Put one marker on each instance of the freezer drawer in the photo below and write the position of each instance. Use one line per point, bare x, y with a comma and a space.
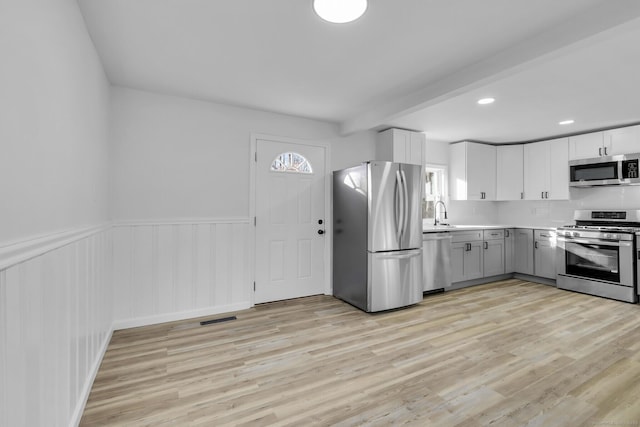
394, 279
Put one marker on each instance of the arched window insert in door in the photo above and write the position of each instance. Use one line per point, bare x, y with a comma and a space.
291, 162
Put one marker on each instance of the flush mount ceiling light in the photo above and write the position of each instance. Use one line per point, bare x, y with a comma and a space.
340, 11
485, 101
566, 122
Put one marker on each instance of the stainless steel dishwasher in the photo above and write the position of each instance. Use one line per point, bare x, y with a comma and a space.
436, 252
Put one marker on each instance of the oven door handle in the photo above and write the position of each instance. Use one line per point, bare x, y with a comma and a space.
597, 242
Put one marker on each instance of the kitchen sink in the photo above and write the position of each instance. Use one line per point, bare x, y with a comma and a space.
442, 227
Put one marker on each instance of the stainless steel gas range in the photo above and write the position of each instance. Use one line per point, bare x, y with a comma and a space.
598, 255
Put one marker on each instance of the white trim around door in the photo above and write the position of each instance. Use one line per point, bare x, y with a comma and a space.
252, 204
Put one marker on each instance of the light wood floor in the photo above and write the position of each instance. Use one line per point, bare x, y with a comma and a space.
510, 353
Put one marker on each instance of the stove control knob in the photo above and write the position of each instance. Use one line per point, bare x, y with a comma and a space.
576, 234
608, 236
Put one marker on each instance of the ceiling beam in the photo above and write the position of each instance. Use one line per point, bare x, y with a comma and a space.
601, 22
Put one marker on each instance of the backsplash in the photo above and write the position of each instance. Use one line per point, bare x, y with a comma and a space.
556, 213
462, 212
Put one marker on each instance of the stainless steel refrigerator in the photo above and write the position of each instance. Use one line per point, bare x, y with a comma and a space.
377, 235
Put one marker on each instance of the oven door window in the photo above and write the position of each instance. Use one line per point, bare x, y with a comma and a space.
593, 261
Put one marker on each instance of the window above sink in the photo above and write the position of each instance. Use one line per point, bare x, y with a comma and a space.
435, 190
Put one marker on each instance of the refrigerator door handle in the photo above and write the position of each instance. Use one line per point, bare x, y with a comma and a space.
400, 207
405, 223
396, 206
401, 254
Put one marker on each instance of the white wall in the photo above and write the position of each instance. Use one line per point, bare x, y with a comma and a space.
180, 158
55, 294
180, 199
53, 120
437, 152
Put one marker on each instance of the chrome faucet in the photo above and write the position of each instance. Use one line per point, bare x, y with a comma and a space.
435, 212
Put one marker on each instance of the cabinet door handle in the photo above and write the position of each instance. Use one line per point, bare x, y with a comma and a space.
486, 245
542, 195
506, 233
467, 247
535, 245
605, 151
600, 151
546, 194
522, 195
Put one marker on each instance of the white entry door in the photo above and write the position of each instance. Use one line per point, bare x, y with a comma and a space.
290, 220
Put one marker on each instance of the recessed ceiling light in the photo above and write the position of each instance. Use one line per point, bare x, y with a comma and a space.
340, 11
485, 101
566, 122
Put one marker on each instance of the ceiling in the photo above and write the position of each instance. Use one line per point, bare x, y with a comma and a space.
417, 64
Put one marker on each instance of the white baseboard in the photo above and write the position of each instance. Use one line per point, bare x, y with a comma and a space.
86, 390
181, 315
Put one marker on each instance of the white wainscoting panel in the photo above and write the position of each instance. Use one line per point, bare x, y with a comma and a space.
56, 318
172, 270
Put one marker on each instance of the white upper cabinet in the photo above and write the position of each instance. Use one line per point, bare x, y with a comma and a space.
510, 174
403, 146
546, 170
536, 170
608, 143
622, 140
559, 169
586, 146
472, 171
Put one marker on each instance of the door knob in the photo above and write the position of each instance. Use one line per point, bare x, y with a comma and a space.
320, 231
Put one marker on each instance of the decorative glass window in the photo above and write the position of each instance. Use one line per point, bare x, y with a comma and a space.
291, 162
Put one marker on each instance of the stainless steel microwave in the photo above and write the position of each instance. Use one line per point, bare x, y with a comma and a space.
608, 170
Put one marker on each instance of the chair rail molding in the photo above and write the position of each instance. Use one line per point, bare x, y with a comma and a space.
16, 252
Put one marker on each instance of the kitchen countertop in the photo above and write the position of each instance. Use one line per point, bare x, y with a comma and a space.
445, 228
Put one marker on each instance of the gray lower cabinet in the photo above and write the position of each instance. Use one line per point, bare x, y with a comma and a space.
524, 251
509, 250
479, 254
545, 254
493, 257
467, 261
